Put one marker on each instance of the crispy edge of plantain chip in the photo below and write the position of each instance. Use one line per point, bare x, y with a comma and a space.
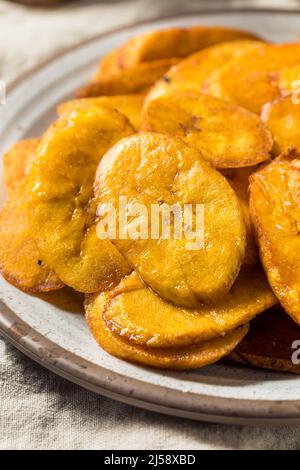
172, 42
134, 312
16, 162
21, 263
190, 357
128, 81
129, 105
238, 179
270, 343
282, 117
276, 219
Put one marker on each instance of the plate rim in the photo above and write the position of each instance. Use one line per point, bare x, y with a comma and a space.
206, 11
97, 379
114, 385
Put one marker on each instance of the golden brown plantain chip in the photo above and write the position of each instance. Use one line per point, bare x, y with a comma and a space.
272, 343
20, 260
134, 80
251, 80
229, 136
238, 178
189, 357
171, 42
159, 172
16, 162
108, 65
282, 117
136, 313
129, 105
294, 180
276, 218
190, 73
289, 80
62, 213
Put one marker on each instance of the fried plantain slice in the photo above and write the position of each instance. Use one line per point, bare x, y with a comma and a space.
282, 117
190, 73
189, 357
294, 180
238, 178
17, 161
289, 80
276, 218
171, 42
229, 136
61, 209
159, 172
251, 80
20, 260
134, 80
136, 313
271, 343
129, 105
108, 65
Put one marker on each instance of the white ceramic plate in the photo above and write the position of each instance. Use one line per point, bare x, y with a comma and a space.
55, 333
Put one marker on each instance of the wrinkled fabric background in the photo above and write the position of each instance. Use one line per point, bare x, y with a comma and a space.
39, 410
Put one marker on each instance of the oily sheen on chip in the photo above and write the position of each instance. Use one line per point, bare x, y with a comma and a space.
156, 169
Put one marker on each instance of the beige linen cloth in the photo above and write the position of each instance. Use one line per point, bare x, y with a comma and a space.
39, 410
